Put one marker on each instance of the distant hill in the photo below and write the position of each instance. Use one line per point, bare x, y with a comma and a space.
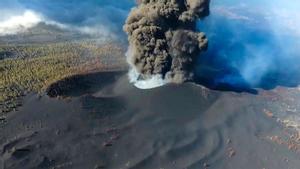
44, 33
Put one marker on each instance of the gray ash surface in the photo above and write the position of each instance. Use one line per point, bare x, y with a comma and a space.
172, 127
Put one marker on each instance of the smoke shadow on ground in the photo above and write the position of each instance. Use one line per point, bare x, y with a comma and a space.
83, 84
222, 76
209, 78
244, 56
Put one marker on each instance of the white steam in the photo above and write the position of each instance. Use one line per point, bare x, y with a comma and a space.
135, 77
13, 22
153, 82
19, 23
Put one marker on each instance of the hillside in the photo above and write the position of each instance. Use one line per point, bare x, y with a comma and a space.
29, 68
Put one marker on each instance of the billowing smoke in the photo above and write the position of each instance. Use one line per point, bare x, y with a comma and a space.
164, 40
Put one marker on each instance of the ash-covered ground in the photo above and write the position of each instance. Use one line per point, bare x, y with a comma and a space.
112, 124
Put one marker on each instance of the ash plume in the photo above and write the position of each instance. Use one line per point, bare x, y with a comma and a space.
164, 40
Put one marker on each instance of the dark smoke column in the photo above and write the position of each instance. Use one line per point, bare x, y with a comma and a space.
163, 38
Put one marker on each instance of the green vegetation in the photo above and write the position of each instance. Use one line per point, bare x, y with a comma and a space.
32, 68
